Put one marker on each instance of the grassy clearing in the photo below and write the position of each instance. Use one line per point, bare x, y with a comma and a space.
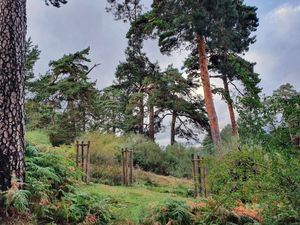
130, 204
38, 138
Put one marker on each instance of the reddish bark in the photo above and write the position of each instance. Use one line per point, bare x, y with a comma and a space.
208, 97
230, 109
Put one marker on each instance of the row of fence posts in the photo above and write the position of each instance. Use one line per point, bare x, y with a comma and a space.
199, 171
199, 168
127, 166
83, 157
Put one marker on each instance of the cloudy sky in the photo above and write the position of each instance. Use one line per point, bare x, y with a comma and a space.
83, 23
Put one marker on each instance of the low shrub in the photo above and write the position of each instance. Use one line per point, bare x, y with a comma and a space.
178, 160
256, 177
172, 210
106, 174
50, 192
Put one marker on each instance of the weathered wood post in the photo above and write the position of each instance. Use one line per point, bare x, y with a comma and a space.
82, 156
200, 174
199, 171
77, 153
194, 175
126, 160
87, 165
127, 166
205, 180
131, 167
123, 166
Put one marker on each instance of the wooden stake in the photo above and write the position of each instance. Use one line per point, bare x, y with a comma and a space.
131, 167
204, 178
194, 175
87, 171
123, 166
77, 153
126, 167
200, 180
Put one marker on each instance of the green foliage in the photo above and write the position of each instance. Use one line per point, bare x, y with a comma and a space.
68, 97
147, 154
107, 174
82, 207
254, 176
275, 120
32, 56
178, 160
50, 193
38, 138
16, 199
176, 211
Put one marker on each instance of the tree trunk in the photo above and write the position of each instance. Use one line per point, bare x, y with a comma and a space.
12, 59
173, 128
208, 97
151, 123
141, 116
230, 108
71, 114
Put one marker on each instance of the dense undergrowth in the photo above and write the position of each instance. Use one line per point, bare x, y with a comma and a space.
247, 186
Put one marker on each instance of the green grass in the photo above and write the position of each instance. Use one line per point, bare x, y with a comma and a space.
132, 203
38, 138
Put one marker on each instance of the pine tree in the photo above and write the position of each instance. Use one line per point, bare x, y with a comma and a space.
68, 90
205, 25
12, 79
228, 67
32, 56
175, 96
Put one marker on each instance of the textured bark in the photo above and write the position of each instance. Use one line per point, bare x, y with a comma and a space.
173, 131
151, 123
208, 97
230, 108
12, 56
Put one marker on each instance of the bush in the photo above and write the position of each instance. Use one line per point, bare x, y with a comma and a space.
176, 211
104, 147
178, 160
110, 175
50, 192
147, 154
257, 177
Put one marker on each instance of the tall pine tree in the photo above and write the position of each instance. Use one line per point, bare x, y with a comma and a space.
205, 25
12, 78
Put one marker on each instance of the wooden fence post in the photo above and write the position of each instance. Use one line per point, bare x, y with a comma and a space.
123, 166
194, 175
87, 166
131, 167
82, 156
77, 153
127, 166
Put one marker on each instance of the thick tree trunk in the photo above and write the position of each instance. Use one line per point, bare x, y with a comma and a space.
173, 128
141, 116
230, 108
12, 57
208, 97
151, 123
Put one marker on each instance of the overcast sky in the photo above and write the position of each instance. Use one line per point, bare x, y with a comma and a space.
83, 23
